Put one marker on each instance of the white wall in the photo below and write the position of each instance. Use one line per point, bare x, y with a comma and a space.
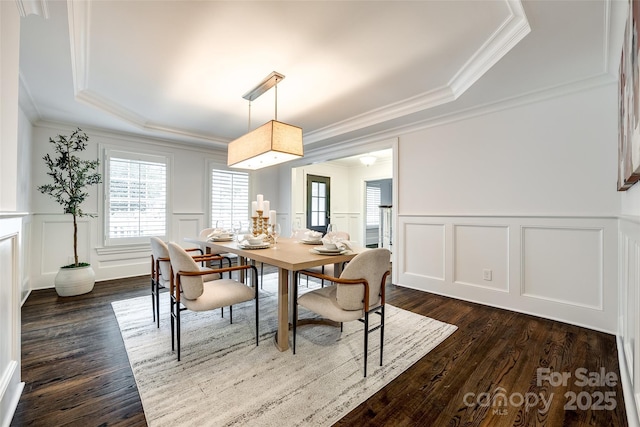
526, 192
347, 193
51, 240
11, 238
629, 302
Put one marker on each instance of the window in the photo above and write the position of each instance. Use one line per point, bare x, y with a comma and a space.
318, 202
229, 198
373, 203
136, 197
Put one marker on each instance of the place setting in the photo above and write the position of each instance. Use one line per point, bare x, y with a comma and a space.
310, 237
262, 240
330, 249
249, 241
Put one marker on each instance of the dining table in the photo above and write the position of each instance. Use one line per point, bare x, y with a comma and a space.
289, 255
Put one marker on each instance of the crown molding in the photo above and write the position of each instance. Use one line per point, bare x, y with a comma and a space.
506, 37
127, 137
512, 30
509, 34
545, 94
25, 101
33, 7
78, 16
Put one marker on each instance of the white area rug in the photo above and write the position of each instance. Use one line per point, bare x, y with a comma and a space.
223, 379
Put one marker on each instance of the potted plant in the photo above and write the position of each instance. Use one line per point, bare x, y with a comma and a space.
71, 176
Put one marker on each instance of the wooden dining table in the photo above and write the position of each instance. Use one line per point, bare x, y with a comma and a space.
289, 256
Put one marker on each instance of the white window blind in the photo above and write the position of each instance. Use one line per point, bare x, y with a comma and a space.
229, 198
373, 206
136, 198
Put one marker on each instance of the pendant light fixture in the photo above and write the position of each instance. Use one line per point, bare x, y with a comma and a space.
270, 144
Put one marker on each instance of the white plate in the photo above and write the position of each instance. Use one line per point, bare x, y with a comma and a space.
323, 249
222, 239
260, 246
332, 252
311, 242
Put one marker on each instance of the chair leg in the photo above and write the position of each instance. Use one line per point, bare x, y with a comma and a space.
153, 299
366, 341
178, 329
231, 314
381, 332
171, 313
157, 313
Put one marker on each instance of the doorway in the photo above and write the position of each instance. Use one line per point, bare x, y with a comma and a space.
318, 202
378, 194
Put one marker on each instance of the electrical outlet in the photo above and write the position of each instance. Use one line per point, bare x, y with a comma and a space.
487, 274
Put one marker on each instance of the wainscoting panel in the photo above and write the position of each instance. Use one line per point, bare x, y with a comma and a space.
629, 306
10, 278
57, 243
486, 266
188, 225
52, 247
561, 268
424, 251
563, 265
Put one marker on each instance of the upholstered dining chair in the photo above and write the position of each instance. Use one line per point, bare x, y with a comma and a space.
358, 292
189, 291
204, 234
161, 272
328, 268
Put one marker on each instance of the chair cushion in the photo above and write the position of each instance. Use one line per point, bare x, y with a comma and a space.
323, 301
192, 286
160, 250
220, 293
370, 265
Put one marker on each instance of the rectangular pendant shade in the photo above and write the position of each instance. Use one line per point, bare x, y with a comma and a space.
272, 143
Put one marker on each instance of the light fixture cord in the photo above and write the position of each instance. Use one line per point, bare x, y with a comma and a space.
249, 124
276, 99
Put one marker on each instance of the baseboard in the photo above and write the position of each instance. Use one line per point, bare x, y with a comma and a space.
10, 393
630, 403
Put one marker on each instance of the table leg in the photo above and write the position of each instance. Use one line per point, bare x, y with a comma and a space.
242, 277
337, 269
282, 336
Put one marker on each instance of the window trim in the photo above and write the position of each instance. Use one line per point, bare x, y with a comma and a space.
214, 165
109, 151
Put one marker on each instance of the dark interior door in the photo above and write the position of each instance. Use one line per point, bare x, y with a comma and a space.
318, 202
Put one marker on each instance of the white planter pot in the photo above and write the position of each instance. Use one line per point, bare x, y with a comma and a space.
74, 281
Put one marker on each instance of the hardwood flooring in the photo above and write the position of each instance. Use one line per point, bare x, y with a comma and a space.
76, 369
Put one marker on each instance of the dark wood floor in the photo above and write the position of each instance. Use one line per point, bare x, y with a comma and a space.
77, 373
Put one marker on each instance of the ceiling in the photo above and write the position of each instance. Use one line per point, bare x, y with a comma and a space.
177, 70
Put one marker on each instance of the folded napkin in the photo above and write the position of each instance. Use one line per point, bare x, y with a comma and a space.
305, 234
338, 241
299, 234
244, 239
219, 232
312, 235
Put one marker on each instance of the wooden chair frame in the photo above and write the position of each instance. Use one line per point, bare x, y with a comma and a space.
174, 289
379, 310
155, 277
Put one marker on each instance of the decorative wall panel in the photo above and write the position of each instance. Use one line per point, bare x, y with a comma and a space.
424, 249
563, 264
485, 265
